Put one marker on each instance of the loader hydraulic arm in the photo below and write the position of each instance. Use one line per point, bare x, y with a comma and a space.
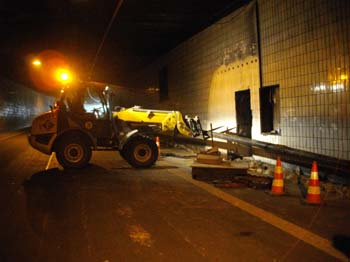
166, 121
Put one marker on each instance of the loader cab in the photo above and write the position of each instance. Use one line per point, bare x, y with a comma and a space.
84, 100
85, 108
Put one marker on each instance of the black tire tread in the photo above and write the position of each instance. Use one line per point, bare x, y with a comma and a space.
63, 142
129, 147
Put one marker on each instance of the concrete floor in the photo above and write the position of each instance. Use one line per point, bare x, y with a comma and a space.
112, 212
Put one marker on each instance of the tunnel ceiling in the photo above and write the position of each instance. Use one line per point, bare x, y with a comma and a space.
141, 32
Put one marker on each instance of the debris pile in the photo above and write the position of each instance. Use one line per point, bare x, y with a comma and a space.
211, 156
258, 175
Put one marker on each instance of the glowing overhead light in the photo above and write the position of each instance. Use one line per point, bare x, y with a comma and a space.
36, 62
63, 75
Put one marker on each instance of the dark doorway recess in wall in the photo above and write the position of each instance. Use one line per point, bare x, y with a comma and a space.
269, 109
163, 83
243, 113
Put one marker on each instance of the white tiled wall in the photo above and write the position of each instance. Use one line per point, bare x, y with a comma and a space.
305, 49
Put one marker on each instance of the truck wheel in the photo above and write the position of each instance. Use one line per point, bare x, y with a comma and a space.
73, 152
141, 152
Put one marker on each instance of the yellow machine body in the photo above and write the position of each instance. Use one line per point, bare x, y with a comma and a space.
165, 120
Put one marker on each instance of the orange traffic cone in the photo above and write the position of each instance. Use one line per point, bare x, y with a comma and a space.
277, 183
313, 192
158, 145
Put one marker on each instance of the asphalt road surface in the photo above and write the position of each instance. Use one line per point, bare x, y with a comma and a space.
110, 212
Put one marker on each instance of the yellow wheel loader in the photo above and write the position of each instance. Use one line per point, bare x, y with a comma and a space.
81, 121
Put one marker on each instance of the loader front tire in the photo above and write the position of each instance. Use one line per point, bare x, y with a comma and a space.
140, 152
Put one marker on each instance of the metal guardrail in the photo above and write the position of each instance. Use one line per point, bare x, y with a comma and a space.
291, 155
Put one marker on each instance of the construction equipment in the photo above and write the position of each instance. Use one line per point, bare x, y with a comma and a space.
81, 121
154, 120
